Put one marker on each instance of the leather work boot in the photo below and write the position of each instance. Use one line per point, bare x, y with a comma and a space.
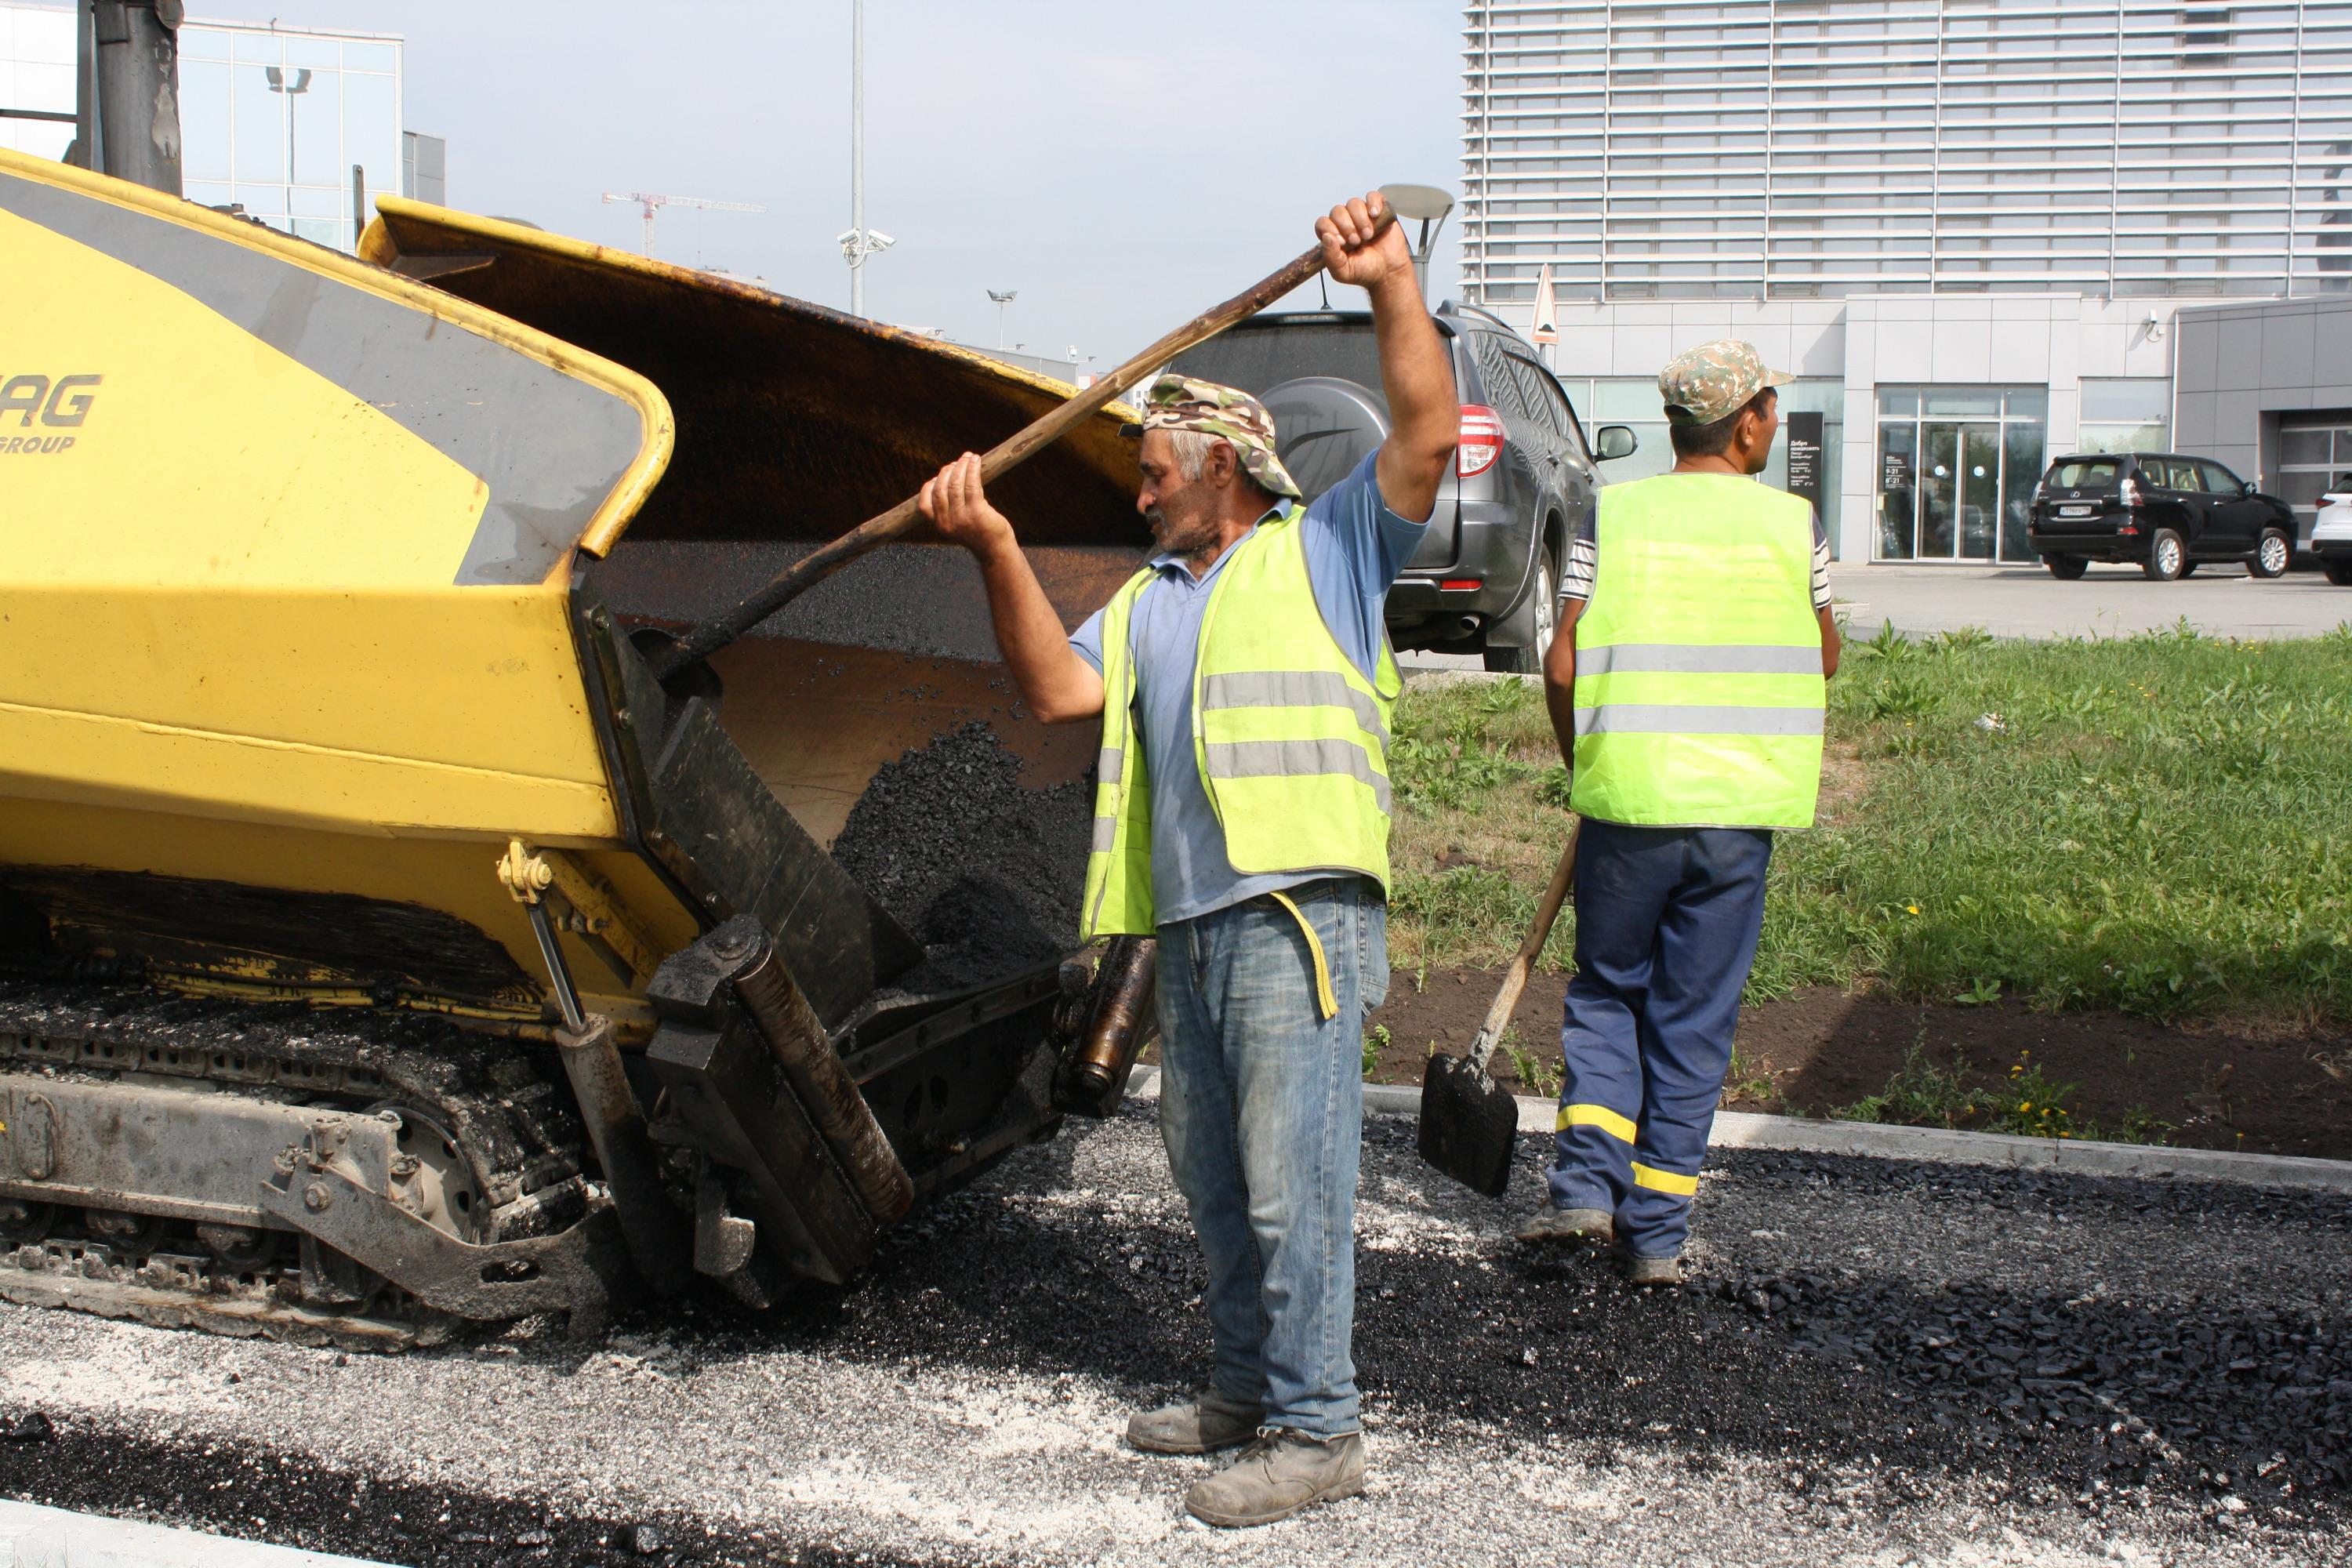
1654, 1270
1553, 1225
1199, 1425
1276, 1476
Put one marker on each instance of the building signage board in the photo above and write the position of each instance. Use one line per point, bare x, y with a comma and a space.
1894, 472
1805, 433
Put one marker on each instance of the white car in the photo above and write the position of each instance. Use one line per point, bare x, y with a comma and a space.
2331, 535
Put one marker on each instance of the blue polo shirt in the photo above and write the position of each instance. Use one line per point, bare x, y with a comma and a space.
1355, 548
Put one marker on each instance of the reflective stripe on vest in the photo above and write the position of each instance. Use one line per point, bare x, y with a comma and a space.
1118, 897
1698, 665
1290, 739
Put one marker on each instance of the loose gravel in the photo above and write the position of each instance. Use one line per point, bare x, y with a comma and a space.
981, 870
1875, 1362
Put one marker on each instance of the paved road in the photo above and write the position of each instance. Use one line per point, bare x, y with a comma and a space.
2027, 602
1880, 1362
2108, 601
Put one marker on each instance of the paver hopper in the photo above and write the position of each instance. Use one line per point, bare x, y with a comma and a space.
380, 946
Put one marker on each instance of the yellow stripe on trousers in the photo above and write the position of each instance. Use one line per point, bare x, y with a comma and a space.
1659, 1181
1618, 1127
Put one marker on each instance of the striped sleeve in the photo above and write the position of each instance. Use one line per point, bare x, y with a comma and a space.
1821, 596
1576, 573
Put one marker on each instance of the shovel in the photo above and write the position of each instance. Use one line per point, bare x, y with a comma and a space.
797, 579
1468, 1122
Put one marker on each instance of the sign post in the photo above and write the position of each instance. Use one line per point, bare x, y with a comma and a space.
1545, 330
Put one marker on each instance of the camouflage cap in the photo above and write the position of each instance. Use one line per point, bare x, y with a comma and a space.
1185, 402
1713, 381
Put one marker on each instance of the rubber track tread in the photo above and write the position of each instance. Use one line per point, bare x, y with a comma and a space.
503, 1100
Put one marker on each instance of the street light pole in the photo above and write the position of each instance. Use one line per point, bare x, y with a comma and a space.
1001, 299
857, 154
857, 242
293, 90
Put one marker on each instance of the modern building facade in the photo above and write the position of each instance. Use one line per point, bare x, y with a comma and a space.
273, 120
1968, 225
2266, 387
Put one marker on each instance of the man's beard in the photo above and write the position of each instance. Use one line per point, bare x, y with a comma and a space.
1190, 538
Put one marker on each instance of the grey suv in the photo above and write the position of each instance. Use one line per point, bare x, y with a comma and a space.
1486, 577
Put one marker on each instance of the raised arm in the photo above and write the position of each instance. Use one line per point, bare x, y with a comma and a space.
1060, 685
1424, 412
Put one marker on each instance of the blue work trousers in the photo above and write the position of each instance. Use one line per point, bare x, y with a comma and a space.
1667, 923
1262, 1106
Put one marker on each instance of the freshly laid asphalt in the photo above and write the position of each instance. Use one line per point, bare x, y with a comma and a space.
1877, 1361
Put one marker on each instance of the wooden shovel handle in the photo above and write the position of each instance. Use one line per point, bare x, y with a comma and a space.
1515, 979
820, 564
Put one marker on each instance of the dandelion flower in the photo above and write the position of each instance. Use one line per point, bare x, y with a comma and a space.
2025, 1105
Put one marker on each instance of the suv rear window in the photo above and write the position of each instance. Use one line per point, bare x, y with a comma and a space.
2082, 474
1258, 357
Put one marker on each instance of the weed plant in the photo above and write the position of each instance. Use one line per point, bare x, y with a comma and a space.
2028, 1103
2158, 824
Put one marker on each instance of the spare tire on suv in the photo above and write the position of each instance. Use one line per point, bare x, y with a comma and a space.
1521, 484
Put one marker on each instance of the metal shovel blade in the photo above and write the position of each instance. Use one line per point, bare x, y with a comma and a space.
1469, 1122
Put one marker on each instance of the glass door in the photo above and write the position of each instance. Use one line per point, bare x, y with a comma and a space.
1957, 467
1980, 492
1960, 491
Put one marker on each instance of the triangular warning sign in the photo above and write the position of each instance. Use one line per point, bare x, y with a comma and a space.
1546, 329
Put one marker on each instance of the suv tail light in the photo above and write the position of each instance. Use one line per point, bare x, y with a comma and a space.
1480, 442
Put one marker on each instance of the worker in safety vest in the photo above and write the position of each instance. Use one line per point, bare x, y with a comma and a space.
1685, 684
1245, 682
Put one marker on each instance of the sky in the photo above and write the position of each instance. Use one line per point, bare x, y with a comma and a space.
1122, 168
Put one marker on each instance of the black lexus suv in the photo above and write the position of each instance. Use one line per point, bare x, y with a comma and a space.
1486, 577
2163, 511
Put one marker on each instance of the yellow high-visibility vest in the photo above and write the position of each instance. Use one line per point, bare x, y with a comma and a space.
1290, 739
1699, 694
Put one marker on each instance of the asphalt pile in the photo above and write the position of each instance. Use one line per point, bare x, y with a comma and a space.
982, 870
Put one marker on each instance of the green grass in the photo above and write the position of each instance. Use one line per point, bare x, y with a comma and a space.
2158, 823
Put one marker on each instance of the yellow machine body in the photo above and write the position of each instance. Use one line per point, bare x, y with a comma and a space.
288, 570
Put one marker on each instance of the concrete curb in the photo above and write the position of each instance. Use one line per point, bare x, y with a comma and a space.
35, 1537
1747, 1130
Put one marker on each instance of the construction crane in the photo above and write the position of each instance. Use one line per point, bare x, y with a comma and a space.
654, 201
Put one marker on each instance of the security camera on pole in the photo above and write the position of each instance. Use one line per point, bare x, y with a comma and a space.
857, 242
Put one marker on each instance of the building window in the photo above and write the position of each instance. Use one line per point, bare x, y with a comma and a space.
2126, 414
1956, 467
273, 121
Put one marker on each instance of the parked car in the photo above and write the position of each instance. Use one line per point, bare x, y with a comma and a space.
2166, 512
1486, 577
2331, 533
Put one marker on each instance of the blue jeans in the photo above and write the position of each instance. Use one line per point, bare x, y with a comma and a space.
1666, 924
1261, 1107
